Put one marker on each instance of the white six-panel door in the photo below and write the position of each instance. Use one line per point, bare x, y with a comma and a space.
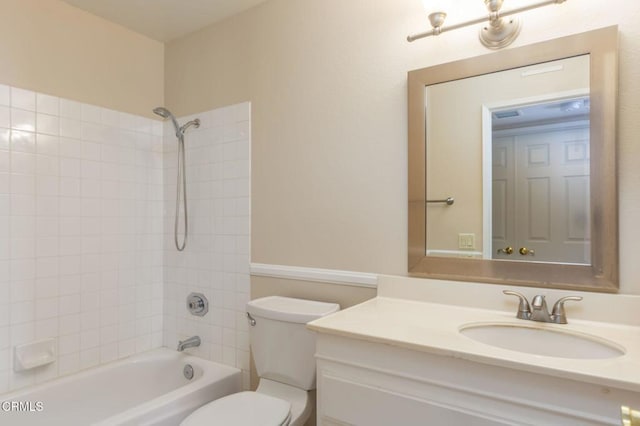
541, 196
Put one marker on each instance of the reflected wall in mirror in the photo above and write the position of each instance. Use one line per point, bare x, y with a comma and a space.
523, 141
520, 162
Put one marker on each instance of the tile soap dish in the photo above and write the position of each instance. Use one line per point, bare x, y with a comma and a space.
34, 354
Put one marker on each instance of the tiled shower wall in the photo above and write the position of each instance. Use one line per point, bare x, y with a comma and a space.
80, 232
216, 259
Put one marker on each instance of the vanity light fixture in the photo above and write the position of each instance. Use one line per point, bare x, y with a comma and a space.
498, 33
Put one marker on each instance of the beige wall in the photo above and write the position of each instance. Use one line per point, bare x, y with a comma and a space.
327, 81
50, 47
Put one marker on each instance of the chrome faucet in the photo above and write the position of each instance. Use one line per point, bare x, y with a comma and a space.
191, 342
538, 310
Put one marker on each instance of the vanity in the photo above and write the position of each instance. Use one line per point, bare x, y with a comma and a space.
407, 357
511, 182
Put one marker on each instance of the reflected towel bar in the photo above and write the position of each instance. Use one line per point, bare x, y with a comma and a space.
449, 201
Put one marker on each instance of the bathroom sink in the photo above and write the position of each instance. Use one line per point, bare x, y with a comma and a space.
536, 340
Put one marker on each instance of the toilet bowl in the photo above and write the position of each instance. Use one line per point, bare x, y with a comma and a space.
283, 350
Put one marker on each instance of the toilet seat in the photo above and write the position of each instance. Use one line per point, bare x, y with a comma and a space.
242, 409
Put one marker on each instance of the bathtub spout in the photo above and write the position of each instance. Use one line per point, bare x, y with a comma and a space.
191, 342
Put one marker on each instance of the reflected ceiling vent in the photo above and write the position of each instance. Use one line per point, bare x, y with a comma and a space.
506, 114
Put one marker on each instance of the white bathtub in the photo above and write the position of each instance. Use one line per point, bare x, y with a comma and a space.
146, 389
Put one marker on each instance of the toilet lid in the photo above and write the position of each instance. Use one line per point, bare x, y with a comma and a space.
241, 409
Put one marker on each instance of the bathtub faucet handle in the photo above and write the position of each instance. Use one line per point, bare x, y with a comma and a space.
197, 304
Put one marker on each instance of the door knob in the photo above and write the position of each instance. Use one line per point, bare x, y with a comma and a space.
525, 251
507, 250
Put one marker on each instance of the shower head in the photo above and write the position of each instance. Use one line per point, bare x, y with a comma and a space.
162, 112
165, 113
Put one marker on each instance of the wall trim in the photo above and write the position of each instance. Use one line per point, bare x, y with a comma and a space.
455, 253
333, 276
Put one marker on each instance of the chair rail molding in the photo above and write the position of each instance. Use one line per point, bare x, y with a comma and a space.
333, 276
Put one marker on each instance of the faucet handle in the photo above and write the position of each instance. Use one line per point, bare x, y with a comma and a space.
524, 310
539, 302
558, 314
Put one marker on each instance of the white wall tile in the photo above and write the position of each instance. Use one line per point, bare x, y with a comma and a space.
5, 117
47, 145
5, 95
69, 166
69, 363
70, 109
46, 104
91, 113
47, 165
70, 128
80, 192
110, 118
5, 162
47, 287
88, 254
46, 308
23, 183
23, 99
5, 188
48, 124
22, 291
89, 358
23, 141
46, 328
216, 259
23, 120
22, 162
5, 138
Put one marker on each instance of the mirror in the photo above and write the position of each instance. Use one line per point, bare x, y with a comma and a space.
521, 155
512, 166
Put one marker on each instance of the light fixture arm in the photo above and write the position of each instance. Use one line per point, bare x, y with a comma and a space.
495, 19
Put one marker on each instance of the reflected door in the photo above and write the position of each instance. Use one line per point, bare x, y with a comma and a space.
541, 196
503, 197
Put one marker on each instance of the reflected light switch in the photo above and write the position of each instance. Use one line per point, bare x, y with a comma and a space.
466, 241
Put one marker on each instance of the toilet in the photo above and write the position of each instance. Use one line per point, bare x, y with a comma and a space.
283, 350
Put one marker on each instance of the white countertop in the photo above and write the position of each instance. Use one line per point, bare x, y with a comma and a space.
434, 328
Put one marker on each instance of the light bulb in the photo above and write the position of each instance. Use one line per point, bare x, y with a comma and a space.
436, 13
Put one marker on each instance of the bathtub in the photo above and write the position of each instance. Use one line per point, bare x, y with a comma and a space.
145, 389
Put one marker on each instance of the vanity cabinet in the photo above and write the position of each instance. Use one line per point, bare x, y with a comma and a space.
367, 383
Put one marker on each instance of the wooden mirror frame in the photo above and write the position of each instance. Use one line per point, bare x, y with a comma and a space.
602, 274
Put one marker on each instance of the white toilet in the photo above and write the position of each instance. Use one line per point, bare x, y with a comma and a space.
283, 350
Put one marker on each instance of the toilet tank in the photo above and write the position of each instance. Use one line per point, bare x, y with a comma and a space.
283, 349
